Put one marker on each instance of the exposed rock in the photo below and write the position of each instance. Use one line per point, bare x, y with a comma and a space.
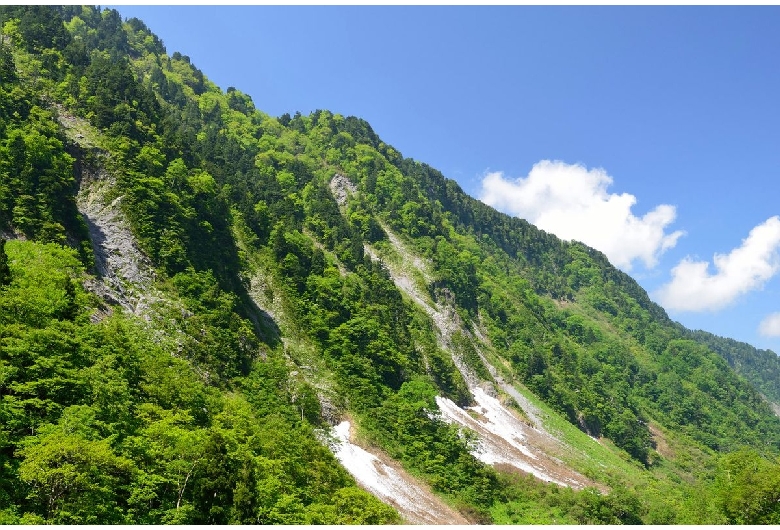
488, 388
330, 413
504, 438
126, 273
126, 276
341, 188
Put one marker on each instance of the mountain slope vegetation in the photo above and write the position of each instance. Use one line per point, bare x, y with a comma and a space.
297, 271
760, 367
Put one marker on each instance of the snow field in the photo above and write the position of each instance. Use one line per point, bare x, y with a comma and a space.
415, 504
500, 433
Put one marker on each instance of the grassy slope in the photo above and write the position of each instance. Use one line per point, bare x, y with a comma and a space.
556, 317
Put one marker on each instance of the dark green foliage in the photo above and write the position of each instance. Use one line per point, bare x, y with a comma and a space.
219, 340
697, 393
7, 66
102, 425
40, 27
5, 271
457, 275
197, 417
37, 181
760, 367
404, 426
117, 102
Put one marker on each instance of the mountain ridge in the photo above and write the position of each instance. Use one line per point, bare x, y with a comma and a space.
301, 272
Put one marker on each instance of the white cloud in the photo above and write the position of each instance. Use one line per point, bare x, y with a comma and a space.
744, 269
572, 202
770, 326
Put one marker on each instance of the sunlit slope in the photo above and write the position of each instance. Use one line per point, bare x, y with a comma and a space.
243, 284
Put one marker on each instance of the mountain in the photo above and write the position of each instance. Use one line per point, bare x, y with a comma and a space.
760, 367
211, 315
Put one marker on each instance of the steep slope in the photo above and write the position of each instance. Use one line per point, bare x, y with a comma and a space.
760, 367
267, 279
126, 273
503, 438
387, 480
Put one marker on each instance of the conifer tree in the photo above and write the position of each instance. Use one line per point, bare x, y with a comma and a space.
5, 271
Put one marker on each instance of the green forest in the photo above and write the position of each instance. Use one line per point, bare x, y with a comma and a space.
268, 308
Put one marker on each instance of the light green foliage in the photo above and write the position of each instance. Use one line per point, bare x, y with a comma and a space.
101, 425
747, 488
201, 420
42, 284
73, 478
527, 502
405, 427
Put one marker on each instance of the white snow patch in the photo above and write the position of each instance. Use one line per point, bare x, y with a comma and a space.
502, 437
501, 422
501, 434
415, 504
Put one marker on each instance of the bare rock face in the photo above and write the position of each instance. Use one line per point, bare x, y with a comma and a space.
125, 273
329, 412
341, 188
488, 388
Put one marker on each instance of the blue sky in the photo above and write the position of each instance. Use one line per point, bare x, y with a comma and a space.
654, 131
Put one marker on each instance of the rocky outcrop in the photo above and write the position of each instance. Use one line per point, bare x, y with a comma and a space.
341, 188
126, 274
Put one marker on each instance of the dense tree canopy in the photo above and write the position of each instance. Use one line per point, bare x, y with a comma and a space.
276, 308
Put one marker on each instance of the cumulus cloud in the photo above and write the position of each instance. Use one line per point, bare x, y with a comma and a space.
744, 269
770, 326
572, 202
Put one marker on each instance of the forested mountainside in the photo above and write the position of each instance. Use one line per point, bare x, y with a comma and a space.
760, 367
194, 293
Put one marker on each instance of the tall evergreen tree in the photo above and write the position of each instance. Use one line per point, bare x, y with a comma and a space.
5, 271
